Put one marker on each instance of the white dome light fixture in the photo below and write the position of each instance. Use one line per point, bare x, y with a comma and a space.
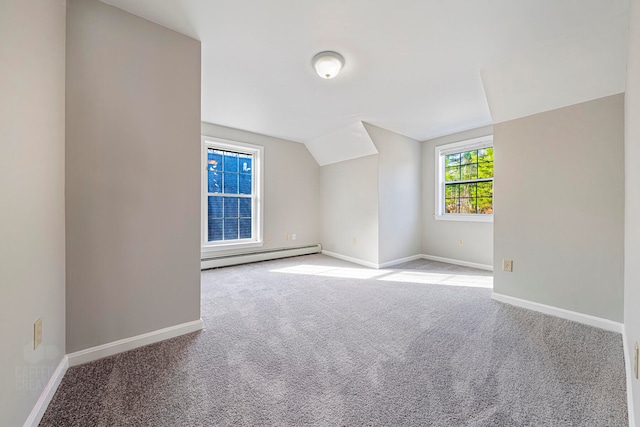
328, 64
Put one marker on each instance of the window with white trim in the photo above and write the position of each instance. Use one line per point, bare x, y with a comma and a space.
231, 194
464, 180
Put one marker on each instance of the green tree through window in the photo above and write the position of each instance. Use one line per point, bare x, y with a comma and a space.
468, 182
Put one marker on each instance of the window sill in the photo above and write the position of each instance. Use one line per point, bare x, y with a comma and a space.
465, 218
229, 246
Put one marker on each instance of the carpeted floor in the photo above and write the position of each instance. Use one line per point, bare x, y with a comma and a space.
315, 341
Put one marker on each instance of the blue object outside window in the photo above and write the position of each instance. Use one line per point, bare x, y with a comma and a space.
230, 199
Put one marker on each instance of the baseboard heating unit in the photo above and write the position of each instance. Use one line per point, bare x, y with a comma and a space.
215, 261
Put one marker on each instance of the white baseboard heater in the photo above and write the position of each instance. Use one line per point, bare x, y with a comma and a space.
214, 261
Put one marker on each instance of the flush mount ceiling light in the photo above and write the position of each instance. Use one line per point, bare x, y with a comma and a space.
328, 64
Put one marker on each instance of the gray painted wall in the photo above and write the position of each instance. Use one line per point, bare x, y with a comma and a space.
132, 176
399, 221
349, 208
632, 199
559, 207
291, 188
32, 253
371, 205
440, 238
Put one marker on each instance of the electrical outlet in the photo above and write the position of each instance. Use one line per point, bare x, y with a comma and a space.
353, 239
288, 236
293, 236
268, 239
37, 333
460, 242
507, 265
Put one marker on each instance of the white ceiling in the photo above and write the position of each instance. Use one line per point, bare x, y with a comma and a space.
415, 67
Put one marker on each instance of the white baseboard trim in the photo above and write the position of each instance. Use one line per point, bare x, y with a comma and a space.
407, 259
399, 261
40, 407
574, 316
458, 262
351, 259
109, 349
629, 370
211, 260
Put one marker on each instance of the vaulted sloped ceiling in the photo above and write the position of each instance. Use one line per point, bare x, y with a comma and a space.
421, 68
343, 144
586, 63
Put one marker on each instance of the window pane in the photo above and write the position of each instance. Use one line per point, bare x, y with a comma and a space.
245, 184
485, 205
245, 165
485, 155
452, 160
230, 229
230, 161
214, 181
469, 157
215, 207
230, 207
485, 170
245, 208
230, 183
485, 189
467, 205
215, 229
468, 190
451, 191
214, 164
469, 172
214, 158
451, 206
452, 173
245, 228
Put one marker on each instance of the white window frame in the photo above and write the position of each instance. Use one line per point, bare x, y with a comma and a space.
257, 207
440, 152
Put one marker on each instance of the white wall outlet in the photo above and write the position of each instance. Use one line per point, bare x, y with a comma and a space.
293, 236
460, 242
507, 265
268, 239
37, 333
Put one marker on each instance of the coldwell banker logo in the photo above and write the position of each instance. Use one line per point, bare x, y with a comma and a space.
33, 375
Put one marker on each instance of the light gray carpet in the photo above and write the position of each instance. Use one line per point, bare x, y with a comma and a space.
314, 341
